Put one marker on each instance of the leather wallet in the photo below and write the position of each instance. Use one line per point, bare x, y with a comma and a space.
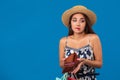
70, 63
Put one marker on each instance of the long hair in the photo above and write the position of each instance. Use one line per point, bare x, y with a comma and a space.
88, 27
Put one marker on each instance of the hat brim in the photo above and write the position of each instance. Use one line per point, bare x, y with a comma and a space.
66, 15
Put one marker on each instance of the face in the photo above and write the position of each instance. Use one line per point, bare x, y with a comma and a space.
78, 23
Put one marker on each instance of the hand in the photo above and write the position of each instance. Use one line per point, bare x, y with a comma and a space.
77, 68
63, 59
62, 62
81, 59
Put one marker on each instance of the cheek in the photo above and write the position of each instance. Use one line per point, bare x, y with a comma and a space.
73, 24
83, 26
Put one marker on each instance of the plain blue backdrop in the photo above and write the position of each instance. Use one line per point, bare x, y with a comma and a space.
30, 31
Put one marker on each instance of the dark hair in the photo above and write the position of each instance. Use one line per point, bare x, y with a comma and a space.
88, 27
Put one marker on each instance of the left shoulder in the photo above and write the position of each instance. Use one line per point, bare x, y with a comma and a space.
93, 37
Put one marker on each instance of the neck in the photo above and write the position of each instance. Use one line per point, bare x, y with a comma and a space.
78, 36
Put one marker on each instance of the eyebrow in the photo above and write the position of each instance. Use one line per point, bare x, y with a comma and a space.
76, 18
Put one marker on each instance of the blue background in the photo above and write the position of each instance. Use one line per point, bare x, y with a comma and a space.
30, 31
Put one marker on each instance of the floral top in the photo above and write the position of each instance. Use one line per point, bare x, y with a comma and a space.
86, 72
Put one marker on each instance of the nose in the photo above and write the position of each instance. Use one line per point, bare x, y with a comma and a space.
78, 23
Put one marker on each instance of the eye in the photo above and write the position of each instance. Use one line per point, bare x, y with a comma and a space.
74, 20
82, 21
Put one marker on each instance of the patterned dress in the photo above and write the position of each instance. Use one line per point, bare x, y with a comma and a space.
86, 72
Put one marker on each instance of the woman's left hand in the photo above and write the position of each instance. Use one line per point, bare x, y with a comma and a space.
81, 59
79, 65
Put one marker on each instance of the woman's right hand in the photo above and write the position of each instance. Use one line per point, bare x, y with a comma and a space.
62, 62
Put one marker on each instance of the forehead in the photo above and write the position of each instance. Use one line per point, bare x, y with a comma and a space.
78, 15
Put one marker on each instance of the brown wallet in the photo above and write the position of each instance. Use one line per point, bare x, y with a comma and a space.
70, 63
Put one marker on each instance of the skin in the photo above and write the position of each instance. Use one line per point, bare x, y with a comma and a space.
78, 40
78, 23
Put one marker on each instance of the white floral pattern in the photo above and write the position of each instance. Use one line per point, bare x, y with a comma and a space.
84, 52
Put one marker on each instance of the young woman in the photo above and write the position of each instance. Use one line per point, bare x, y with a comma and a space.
82, 40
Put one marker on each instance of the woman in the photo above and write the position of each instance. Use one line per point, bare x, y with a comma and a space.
82, 40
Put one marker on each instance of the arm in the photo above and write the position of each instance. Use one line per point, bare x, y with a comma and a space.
97, 53
97, 49
61, 52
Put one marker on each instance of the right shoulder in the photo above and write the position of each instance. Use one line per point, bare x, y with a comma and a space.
63, 40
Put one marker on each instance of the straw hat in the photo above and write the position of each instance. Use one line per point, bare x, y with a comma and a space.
82, 9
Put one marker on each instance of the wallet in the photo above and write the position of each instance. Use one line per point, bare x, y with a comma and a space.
70, 63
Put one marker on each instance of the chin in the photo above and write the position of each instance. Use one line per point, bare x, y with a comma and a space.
78, 32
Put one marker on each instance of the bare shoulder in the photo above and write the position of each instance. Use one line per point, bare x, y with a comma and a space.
94, 37
63, 40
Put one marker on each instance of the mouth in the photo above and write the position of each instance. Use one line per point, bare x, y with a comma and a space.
77, 28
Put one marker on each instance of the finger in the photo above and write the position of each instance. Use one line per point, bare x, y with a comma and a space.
78, 58
81, 60
63, 59
75, 70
